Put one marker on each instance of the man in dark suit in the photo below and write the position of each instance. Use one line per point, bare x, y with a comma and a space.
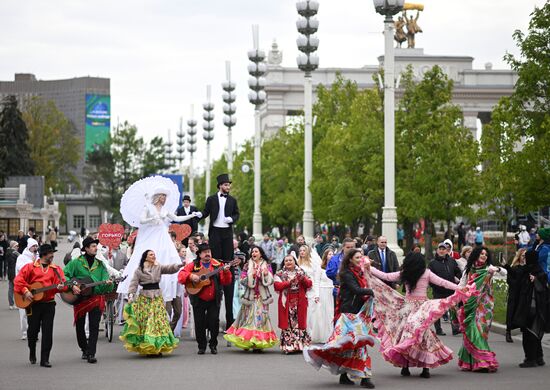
223, 211
383, 258
187, 209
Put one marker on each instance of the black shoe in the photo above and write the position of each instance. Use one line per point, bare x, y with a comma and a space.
344, 380
45, 364
456, 332
509, 337
440, 332
257, 351
425, 373
92, 359
405, 371
201, 352
366, 382
528, 364
541, 362
32, 357
214, 350
84, 355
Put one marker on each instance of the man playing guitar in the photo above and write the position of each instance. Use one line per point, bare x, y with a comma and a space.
42, 312
87, 266
206, 304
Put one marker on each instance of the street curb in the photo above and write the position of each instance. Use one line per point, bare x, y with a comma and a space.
497, 327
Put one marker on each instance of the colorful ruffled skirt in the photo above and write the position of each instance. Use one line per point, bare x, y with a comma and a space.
404, 327
294, 339
346, 352
147, 330
252, 329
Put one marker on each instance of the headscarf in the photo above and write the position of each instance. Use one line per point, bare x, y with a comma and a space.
544, 233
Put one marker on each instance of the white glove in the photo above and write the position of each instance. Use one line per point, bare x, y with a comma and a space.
197, 214
228, 220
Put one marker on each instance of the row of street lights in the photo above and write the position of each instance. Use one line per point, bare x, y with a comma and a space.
307, 25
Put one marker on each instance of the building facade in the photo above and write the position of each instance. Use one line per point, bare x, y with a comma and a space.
476, 91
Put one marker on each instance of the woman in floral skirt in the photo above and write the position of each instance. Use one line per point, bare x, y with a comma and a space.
292, 284
252, 329
147, 330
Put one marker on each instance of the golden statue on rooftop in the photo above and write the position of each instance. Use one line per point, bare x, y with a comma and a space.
410, 23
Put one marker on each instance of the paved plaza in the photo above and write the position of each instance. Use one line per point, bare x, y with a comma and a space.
230, 369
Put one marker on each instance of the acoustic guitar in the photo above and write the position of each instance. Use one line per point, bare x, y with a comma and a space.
86, 286
205, 275
37, 289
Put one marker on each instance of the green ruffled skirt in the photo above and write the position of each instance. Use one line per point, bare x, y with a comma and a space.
147, 330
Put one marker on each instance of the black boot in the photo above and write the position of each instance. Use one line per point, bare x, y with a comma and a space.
367, 382
92, 359
344, 380
425, 373
405, 371
509, 337
32, 355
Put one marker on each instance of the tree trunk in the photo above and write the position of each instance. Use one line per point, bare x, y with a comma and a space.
428, 234
505, 239
408, 226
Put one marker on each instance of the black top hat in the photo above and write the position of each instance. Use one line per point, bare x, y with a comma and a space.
202, 247
45, 249
223, 178
187, 197
89, 241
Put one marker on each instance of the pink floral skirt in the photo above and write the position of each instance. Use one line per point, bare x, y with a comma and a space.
406, 339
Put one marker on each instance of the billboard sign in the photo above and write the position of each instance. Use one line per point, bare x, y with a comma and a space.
98, 120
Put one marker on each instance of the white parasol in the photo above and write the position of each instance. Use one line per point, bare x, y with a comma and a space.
140, 193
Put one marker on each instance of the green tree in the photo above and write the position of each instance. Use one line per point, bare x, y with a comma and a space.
153, 160
53, 143
101, 174
15, 155
531, 102
501, 174
436, 156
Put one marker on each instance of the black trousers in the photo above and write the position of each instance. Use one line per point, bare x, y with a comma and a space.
221, 244
531, 346
88, 345
41, 317
206, 316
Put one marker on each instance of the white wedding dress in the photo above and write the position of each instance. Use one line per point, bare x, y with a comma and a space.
153, 234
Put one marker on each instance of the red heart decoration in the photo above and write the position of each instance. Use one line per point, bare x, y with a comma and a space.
182, 231
110, 235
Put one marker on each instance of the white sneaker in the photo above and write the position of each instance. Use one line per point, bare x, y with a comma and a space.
12, 307
24, 337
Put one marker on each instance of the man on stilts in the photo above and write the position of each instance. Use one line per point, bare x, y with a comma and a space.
224, 212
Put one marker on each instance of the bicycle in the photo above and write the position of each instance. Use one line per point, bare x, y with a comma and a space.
110, 314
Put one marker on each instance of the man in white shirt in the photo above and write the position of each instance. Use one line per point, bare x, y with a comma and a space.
224, 212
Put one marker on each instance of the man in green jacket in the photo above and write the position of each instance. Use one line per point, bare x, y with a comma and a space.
87, 266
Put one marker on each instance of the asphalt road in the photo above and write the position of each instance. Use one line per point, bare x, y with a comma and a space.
230, 369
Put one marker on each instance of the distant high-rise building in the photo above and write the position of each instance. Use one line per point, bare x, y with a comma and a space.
85, 101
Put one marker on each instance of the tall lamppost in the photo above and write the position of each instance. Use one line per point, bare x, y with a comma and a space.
388, 8
307, 61
191, 148
180, 148
229, 109
208, 133
168, 156
257, 96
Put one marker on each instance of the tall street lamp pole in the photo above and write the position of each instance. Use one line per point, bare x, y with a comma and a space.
388, 8
307, 25
257, 96
229, 109
191, 148
208, 133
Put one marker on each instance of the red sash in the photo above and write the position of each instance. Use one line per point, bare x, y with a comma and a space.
88, 305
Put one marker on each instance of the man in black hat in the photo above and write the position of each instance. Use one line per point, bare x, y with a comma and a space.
206, 304
224, 212
88, 267
41, 314
187, 209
